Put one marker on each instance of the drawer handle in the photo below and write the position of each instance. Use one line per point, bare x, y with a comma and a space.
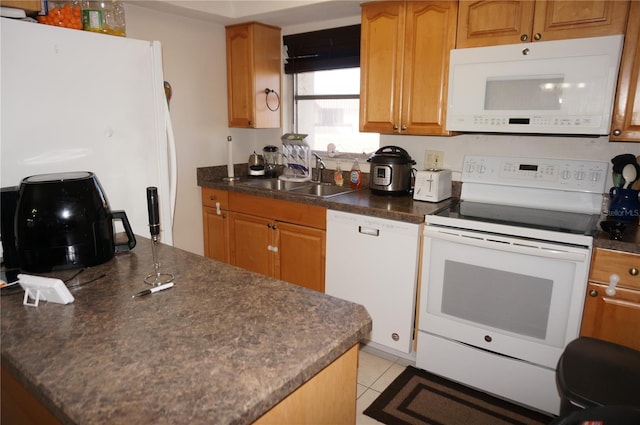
212, 197
613, 281
633, 271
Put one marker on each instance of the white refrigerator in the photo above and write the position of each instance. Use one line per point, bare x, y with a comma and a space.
78, 101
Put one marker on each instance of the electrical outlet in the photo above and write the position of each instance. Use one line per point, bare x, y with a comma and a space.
433, 159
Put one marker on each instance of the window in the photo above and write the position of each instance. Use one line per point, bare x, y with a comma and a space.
326, 94
327, 107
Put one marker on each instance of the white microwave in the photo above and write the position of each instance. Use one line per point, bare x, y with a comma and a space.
551, 87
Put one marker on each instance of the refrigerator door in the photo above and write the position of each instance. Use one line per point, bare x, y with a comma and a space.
78, 101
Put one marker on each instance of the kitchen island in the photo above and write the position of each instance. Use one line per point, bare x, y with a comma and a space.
222, 346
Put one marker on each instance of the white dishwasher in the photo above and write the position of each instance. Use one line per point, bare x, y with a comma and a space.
374, 262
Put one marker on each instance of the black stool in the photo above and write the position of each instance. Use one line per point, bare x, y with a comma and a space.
592, 373
605, 415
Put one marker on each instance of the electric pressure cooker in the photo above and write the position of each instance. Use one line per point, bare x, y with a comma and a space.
63, 221
391, 169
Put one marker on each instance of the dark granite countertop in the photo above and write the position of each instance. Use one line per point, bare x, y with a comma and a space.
630, 241
362, 201
402, 208
222, 346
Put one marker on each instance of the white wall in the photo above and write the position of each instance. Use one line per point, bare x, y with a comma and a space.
455, 148
194, 63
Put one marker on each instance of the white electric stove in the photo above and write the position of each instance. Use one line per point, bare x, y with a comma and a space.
504, 274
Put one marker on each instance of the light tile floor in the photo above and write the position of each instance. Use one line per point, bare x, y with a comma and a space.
376, 370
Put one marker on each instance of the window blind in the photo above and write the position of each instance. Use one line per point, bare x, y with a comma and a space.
334, 48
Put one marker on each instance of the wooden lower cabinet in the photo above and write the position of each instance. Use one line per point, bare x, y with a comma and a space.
281, 239
615, 317
215, 218
301, 255
250, 243
327, 398
216, 234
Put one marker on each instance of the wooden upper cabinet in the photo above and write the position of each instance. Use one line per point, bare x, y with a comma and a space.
626, 109
29, 6
381, 53
404, 66
253, 65
494, 22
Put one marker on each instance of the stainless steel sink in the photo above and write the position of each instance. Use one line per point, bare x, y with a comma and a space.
274, 184
319, 190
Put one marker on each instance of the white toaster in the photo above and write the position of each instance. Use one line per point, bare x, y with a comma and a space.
432, 185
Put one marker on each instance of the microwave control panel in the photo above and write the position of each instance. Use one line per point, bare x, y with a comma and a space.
544, 173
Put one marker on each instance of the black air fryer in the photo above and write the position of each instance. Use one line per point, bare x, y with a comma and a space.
63, 221
8, 203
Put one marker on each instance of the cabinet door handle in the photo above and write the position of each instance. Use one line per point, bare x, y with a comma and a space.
524, 37
218, 212
613, 281
593, 293
368, 231
537, 36
272, 248
633, 271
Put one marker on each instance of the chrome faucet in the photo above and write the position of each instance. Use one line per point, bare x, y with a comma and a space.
319, 167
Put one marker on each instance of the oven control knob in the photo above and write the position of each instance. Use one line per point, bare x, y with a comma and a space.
580, 175
395, 336
488, 338
566, 174
470, 168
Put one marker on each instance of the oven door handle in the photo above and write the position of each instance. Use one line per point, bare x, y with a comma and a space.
526, 248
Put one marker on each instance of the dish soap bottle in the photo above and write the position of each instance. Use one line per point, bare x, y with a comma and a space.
355, 177
337, 175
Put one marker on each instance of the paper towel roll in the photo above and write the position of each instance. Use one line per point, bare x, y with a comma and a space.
229, 158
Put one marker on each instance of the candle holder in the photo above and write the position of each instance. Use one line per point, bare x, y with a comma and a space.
156, 277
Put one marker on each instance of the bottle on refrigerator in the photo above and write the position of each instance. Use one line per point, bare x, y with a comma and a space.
106, 17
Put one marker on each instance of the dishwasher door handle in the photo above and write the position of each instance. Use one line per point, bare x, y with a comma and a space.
369, 231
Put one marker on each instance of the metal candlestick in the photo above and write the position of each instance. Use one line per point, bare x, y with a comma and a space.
156, 277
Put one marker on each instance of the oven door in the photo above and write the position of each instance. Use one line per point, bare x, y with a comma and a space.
515, 297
